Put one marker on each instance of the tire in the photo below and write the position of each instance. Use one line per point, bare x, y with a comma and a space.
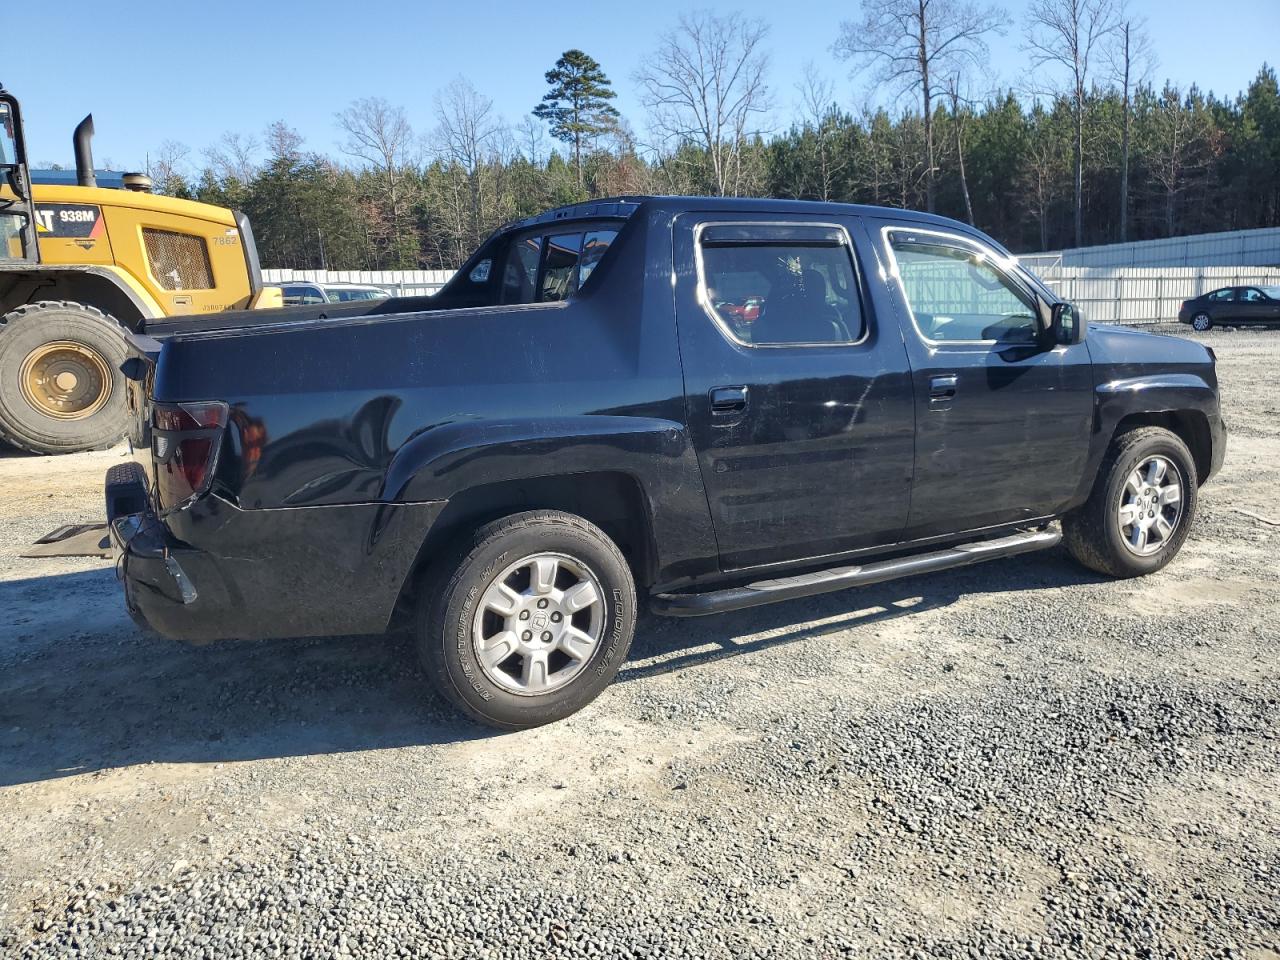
1201, 322
1095, 534
455, 619
87, 346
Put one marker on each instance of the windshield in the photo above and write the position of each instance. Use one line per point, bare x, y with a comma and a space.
1272, 292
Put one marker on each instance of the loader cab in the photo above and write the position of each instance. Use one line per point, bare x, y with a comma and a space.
17, 212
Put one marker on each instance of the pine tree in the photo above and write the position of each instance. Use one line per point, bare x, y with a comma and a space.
577, 105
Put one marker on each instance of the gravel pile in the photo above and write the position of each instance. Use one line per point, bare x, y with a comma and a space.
1018, 759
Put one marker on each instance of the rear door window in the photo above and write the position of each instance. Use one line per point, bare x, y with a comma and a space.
774, 286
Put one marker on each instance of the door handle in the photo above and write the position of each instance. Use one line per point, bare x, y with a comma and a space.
728, 400
942, 388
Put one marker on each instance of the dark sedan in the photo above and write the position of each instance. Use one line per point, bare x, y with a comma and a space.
1232, 305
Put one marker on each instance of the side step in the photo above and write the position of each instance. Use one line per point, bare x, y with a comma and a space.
841, 578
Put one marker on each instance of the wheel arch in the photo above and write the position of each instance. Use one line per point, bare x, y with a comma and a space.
100, 287
1190, 426
614, 501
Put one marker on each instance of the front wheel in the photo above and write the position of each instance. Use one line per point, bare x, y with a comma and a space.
1201, 322
528, 620
1141, 508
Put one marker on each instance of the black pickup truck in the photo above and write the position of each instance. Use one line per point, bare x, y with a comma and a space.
708, 403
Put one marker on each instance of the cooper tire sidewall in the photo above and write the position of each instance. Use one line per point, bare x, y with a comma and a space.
464, 674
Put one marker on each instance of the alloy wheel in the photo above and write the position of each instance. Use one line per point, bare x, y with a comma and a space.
538, 623
1151, 505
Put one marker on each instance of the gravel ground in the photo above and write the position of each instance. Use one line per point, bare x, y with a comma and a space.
1019, 759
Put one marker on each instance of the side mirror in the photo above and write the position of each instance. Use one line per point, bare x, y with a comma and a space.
1067, 324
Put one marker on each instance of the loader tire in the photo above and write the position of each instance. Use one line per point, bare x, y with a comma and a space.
61, 388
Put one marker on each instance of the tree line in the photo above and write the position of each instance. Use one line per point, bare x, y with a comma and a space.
1091, 151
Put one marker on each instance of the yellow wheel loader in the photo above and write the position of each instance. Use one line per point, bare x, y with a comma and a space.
81, 263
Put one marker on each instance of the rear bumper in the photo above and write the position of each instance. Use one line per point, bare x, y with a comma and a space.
258, 574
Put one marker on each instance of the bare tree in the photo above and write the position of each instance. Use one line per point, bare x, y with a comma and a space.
705, 85
1042, 170
915, 45
1131, 59
232, 158
283, 142
1069, 34
818, 108
380, 135
467, 133
167, 168
960, 106
533, 135
1179, 146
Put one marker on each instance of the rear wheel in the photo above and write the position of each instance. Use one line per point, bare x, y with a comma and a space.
528, 620
61, 389
1201, 322
1141, 508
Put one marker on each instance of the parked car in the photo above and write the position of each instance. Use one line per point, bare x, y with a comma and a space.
570, 426
311, 293
1232, 305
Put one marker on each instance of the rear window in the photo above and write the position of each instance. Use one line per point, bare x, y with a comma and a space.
553, 267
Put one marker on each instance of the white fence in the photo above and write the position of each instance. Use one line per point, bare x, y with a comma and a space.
1231, 248
398, 283
1134, 295
1137, 295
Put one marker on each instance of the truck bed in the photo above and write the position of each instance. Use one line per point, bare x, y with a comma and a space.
305, 313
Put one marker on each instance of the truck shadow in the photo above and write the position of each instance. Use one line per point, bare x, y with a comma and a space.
84, 690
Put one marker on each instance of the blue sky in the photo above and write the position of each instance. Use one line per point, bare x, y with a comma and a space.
184, 71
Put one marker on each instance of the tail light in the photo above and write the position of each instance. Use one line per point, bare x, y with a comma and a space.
185, 440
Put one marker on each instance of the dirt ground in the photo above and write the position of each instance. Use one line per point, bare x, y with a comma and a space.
1017, 759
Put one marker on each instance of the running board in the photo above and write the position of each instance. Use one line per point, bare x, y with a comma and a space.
841, 578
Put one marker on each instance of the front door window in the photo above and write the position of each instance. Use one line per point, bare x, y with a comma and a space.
957, 293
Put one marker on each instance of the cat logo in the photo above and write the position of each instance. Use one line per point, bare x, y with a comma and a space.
81, 222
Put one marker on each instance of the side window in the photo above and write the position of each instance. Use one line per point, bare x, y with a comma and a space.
302, 294
519, 281
1221, 296
551, 268
594, 245
559, 271
1251, 296
774, 286
957, 293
